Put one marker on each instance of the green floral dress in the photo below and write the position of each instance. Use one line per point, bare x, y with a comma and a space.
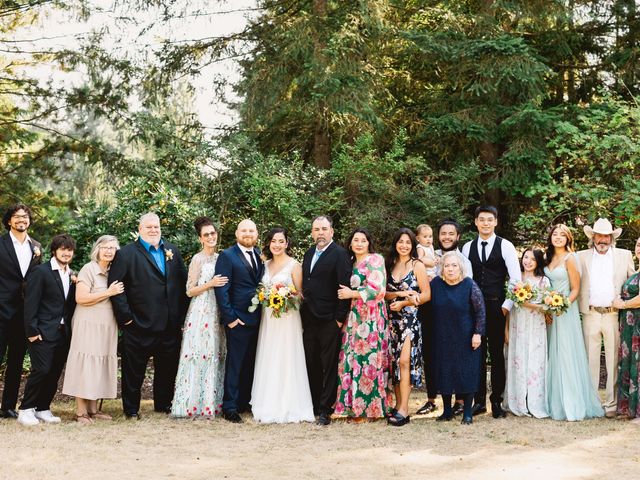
363, 368
629, 352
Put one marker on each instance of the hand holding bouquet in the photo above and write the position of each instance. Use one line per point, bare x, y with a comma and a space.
520, 292
279, 297
554, 302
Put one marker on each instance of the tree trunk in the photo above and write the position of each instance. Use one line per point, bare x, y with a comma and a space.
321, 152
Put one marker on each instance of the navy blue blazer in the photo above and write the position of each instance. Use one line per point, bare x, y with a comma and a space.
234, 298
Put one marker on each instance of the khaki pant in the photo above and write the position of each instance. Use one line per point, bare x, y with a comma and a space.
599, 327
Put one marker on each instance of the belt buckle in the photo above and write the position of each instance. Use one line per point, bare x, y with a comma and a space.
603, 310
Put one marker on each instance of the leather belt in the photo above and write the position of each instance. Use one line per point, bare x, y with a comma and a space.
602, 310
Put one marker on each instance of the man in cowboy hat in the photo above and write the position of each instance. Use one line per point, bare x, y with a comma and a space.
604, 269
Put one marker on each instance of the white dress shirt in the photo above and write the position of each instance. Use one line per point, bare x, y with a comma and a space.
249, 254
316, 257
23, 252
601, 289
509, 255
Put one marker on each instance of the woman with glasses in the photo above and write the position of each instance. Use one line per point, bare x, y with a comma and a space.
92, 362
200, 378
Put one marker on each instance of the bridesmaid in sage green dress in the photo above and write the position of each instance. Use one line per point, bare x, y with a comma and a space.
570, 393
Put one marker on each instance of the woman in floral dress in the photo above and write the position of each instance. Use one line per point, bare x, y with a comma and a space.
408, 287
200, 378
363, 362
629, 352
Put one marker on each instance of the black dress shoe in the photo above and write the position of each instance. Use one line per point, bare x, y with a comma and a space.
324, 419
497, 411
166, 410
398, 420
233, 417
427, 408
458, 409
8, 413
132, 416
467, 420
444, 418
478, 408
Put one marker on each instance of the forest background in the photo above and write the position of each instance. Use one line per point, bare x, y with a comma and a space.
382, 113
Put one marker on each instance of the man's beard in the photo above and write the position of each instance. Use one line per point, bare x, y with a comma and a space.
451, 248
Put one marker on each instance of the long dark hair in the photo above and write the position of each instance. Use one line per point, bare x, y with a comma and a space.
392, 256
267, 242
551, 251
365, 232
538, 255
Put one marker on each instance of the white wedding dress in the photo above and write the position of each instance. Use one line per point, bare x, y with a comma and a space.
280, 392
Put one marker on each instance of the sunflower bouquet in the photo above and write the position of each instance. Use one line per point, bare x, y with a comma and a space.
279, 297
554, 302
520, 292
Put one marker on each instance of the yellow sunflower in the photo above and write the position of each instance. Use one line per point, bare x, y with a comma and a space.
556, 301
276, 301
521, 294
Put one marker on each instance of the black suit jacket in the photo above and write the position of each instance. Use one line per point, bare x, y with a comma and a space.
320, 286
234, 298
153, 300
45, 305
12, 283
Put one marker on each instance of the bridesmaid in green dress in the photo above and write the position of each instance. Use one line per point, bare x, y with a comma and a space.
629, 351
363, 368
570, 393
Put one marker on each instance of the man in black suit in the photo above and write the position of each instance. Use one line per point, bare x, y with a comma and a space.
242, 265
49, 303
19, 254
150, 314
325, 267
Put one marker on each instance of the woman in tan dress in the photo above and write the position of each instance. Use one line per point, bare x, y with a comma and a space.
92, 364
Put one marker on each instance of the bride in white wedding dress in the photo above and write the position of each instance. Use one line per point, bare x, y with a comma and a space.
280, 392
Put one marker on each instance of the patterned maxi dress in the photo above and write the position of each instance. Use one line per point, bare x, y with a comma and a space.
406, 325
363, 362
200, 378
526, 388
629, 352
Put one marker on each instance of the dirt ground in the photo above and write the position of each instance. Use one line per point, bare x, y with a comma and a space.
158, 447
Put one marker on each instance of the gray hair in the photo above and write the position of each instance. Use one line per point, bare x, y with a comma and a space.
95, 250
323, 217
458, 257
146, 216
590, 244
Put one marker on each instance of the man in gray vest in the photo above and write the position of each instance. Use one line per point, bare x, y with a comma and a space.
494, 260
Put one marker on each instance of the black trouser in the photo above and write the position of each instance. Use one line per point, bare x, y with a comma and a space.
239, 366
14, 342
321, 348
494, 343
47, 361
137, 347
424, 315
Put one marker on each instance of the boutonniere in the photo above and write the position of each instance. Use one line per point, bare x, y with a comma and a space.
36, 252
168, 254
73, 277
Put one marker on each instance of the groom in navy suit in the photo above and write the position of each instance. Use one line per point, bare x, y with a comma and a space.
240, 263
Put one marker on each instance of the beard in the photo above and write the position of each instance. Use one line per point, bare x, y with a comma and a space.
454, 246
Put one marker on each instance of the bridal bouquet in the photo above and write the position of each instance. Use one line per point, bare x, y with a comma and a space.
279, 297
554, 302
520, 292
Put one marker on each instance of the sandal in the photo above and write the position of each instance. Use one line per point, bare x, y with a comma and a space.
84, 419
99, 415
398, 420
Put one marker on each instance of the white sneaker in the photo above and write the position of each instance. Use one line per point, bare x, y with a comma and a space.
27, 417
47, 417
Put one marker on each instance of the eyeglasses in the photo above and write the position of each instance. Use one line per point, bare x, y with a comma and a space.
23, 217
108, 248
209, 234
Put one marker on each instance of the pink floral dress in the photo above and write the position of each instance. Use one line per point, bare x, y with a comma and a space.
363, 368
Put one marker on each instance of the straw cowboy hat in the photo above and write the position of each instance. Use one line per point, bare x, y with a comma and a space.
603, 227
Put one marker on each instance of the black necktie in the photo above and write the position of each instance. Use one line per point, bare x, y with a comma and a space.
253, 261
484, 251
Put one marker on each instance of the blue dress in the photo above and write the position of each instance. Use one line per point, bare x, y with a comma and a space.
458, 313
570, 393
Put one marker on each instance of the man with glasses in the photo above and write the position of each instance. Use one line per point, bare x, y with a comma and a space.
19, 254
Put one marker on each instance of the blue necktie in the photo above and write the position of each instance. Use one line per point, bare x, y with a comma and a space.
315, 258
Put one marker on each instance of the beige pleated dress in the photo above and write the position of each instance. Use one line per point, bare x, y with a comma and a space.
92, 364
